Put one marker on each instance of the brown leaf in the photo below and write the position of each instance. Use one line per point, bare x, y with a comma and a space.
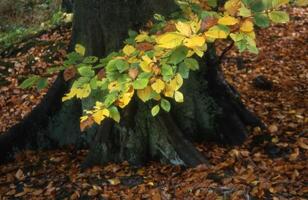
86, 123
101, 74
133, 73
208, 22
20, 175
303, 143
69, 73
145, 46
273, 128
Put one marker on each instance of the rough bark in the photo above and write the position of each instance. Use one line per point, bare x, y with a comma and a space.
212, 108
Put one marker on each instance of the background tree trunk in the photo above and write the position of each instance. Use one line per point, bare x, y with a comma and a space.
212, 108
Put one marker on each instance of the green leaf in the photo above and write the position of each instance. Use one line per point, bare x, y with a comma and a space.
86, 71
155, 110
257, 6
29, 82
184, 70
167, 72
261, 20
42, 83
279, 16
245, 12
212, 3
93, 83
110, 98
165, 105
191, 63
121, 65
140, 83
90, 60
178, 55
80, 49
114, 113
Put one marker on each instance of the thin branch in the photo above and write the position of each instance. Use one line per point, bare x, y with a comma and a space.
222, 55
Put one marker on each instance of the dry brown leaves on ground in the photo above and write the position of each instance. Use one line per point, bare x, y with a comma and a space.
269, 165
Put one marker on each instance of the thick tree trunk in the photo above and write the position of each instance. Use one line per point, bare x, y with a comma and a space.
212, 108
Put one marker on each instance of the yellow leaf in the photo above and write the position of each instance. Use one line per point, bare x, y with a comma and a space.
70, 95
178, 96
228, 20
142, 37
84, 91
169, 40
175, 84
195, 41
128, 49
145, 94
184, 28
247, 26
195, 25
113, 86
158, 86
100, 115
80, 49
145, 64
216, 34
126, 98
232, 6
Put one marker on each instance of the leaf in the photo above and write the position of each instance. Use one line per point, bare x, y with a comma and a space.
126, 98
165, 105
301, 2
279, 16
247, 26
184, 70
83, 92
85, 122
184, 28
261, 20
69, 73
155, 110
90, 60
86, 71
169, 40
178, 55
244, 12
167, 72
133, 73
140, 83
80, 49
158, 86
195, 41
178, 96
191, 63
145, 46
29, 82
121, 65
128, 50
100, 115
114, 181
114, 114
278, 3
228, 20
42, 83
145, 94
216, 32
232, 6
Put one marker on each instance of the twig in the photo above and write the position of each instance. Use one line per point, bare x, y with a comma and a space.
225, 51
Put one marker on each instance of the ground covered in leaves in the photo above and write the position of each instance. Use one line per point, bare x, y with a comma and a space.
272, 164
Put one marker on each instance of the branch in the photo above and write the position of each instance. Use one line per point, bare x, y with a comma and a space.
222, 55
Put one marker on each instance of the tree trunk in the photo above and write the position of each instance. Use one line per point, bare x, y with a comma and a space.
212, 108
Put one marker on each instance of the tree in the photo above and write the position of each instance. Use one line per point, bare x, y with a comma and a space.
212, 109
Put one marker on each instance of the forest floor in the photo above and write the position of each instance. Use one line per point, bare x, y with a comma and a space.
270, 165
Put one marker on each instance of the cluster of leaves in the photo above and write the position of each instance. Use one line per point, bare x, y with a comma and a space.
153, 63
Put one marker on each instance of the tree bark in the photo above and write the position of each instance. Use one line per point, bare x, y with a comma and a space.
212, 108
